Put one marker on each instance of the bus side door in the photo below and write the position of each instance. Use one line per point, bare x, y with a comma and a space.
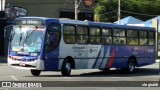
52, 48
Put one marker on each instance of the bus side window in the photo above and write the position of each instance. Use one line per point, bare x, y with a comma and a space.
106, 36
143, 38
53, 36
95, 33
82, 35
151, 39
132, 37
69, 35
119, 36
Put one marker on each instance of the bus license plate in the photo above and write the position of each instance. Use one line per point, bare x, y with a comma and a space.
22, 64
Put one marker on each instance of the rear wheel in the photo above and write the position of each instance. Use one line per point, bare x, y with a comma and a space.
35, 72
131, 66
106, 69
66, 68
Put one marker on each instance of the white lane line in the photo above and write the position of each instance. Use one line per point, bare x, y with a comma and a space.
13, 77
116, 77
67, 77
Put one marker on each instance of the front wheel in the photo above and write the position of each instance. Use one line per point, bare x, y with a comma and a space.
35, 72
66, 68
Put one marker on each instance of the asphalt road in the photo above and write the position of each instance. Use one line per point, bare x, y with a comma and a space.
144, 74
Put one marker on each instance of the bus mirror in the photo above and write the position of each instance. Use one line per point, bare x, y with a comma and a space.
7, 31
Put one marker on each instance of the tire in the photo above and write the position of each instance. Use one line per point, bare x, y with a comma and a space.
35, 72
130, 66
106, 69
66, 68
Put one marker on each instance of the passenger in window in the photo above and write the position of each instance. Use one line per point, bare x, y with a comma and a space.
121, 42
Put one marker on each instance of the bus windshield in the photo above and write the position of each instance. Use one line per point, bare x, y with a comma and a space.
26, 39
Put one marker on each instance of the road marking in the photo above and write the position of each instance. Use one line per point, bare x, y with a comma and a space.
4, 88
67, 77
13, 77
115, 77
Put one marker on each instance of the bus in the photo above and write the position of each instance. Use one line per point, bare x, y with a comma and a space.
50, 44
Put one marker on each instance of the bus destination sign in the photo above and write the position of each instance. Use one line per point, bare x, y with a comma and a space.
28, 22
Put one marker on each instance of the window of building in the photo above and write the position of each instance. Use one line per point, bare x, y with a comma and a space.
82, 15
82, 35
106, 36
95, 35
69, 34
119, 36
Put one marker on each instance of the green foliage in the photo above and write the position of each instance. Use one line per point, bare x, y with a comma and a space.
106, 10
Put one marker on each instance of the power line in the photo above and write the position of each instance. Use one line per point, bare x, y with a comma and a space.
112, 8
108, 13
138, 13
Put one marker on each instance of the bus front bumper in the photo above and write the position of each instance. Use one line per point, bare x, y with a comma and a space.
36, 64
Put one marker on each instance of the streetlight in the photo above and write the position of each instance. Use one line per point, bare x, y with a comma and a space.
76, 8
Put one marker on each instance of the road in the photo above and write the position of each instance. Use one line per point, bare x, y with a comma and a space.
146, 73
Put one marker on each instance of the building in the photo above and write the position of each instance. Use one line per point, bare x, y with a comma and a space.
54, 8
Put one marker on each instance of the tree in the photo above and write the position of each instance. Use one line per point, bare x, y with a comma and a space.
106, 10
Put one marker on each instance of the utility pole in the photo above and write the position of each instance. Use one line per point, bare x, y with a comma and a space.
119, 11
1, 5
76, 9
77, 3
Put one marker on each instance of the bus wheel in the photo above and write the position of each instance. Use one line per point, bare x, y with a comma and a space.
130, 66
105, 69
35, 72
66, 68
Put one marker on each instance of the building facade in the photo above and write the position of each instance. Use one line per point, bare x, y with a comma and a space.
54, 8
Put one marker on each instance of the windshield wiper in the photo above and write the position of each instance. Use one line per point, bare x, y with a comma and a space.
20, 39
28, 33
12, 35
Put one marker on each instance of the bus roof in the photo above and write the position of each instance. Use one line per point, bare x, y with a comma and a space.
90, 23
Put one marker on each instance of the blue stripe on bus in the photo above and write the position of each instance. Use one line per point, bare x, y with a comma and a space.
97, 57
